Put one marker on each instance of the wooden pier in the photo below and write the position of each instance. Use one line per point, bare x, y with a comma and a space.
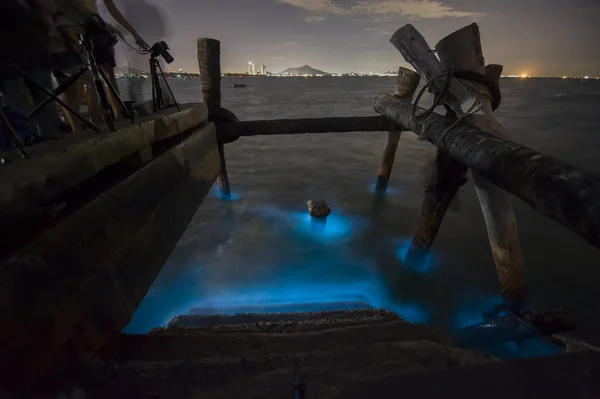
88, 222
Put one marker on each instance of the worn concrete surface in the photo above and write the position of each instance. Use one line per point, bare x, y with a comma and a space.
365, 353
256, 360
58, 165
562, 376
76, 286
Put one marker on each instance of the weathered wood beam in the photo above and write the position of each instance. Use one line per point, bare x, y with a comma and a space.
209, 63
74, 288
415, 50
562, 192
306, 125
406, 85
462, 51
446, 179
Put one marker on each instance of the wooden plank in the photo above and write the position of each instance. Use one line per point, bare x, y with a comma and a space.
562, 192
76, 286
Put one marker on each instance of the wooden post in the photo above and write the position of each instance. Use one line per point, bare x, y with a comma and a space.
209, 62
447, 176
562, 192
446, 179
462, 51
406, 85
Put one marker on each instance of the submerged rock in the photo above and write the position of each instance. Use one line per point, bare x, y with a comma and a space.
318, 208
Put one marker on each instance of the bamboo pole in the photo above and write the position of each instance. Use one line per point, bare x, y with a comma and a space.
463, 51
562, 192
231, 130
406, 85
209, 63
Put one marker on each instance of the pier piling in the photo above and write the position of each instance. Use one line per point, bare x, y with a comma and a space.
446, 179
463, 51
460, 58
209, 63
406, 85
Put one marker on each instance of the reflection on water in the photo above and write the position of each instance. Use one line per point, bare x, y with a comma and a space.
262, 247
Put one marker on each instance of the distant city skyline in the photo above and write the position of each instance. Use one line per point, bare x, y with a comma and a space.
533, 37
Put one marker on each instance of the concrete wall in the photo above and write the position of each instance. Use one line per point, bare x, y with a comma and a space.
72, 289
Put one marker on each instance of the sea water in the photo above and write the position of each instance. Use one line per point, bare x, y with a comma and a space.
261, 248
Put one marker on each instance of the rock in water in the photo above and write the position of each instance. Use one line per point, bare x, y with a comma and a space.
318, 208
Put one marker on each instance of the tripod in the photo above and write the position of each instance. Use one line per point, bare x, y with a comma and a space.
158, 100
100, 79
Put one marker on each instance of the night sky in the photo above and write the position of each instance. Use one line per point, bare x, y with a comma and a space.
537, 37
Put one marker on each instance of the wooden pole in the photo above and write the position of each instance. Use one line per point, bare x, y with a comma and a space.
406, 85
462, 50
562, 192
229, 130
447, 176
446, 179
209, 63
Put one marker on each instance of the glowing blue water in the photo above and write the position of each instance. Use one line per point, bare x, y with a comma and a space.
262, 243
391, 191
402, 246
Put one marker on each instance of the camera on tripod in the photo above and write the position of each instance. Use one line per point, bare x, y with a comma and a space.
98, 31
161, 48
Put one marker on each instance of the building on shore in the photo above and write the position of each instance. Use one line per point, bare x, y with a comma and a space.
263, 69
251, 68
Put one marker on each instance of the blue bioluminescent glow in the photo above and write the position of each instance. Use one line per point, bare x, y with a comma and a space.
471, 312
161, 305
534, 347
233, 309
504, 342
215, 191
334, 227
287, 261
521, 349
410, 312
390, 191
284, 293
402, 246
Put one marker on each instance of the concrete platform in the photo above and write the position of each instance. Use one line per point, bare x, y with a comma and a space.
60, 164
72, 287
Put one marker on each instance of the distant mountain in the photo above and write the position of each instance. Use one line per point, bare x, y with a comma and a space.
303, 70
